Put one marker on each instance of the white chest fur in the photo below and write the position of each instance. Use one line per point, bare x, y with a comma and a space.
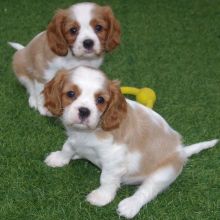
69, 62
104, 152
98, 151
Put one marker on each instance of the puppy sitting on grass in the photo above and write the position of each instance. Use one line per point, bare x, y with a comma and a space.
130, 143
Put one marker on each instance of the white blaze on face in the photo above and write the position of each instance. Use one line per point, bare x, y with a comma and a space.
82, 13
89, 81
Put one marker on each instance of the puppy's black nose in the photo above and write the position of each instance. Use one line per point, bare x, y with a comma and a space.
88, 44
84, 112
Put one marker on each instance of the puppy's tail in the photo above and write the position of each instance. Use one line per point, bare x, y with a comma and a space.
196, 148
16, 46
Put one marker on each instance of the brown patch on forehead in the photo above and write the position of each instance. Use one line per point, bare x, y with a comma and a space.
68, 100
98, 12
99, 15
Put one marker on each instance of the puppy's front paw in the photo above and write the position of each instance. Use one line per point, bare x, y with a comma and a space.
32, 102
57, 159
44, 111
128, 208
100, 197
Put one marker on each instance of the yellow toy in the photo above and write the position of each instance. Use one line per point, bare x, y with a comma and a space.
145, 96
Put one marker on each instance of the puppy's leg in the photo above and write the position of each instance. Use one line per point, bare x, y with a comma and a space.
61, 158
29, 85
152, 186
40, 99
103, 195
113, 169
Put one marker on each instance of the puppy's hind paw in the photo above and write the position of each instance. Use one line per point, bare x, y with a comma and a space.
128, 208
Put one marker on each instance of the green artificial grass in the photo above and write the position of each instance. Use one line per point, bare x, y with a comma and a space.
170, 46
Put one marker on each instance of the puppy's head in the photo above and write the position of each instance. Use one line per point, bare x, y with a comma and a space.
86, 29
85, 99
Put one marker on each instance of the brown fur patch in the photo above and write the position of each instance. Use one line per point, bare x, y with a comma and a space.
53, 93
110, 34
55, 35
68, 100
156, 143
33, 59
102, 107
116, 108
175, 160
69, 37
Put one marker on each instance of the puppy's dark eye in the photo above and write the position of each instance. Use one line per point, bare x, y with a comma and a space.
98, 28
100, 100
73, 30
71, 94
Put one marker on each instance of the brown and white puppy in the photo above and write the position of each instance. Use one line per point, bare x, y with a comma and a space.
131, 144
79, 35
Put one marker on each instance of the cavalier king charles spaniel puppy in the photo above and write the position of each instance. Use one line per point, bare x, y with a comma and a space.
130, 143
79, 35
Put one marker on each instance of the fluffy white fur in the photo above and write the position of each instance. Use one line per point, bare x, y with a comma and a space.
115, 158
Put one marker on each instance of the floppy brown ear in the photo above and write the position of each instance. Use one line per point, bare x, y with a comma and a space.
53, 93
55, 37
116, 110
114, 32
